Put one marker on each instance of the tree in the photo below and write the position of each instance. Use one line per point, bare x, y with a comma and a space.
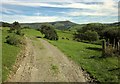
5, 24
111, 33
15, 27
98, 27
49, 32
91, 35
88, 36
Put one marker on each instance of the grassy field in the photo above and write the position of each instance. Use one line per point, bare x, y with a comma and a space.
65, 34
88, 56
31, 32
9, 54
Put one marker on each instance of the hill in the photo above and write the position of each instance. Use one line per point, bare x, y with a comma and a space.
62, 25
114, 24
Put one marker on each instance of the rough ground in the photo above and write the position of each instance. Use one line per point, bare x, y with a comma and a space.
43, 62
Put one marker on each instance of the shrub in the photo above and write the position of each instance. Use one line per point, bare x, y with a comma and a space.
87, 36
63, 38
18, 32
49, 32
91, 35
14, 39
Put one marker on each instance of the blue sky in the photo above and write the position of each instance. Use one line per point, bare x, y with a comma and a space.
78, 11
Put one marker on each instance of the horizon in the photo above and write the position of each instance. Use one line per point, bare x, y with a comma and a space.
60, 21
86, 11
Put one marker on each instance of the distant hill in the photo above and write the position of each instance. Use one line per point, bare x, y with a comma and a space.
62, 25
5, 24
115, 24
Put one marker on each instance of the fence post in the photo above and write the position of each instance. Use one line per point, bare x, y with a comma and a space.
114, 44
103, 47
119, 47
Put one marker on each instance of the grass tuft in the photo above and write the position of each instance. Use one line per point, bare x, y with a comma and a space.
54, 68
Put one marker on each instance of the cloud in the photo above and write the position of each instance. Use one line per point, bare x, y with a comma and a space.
40, 4
85, 14
31, 19
71, 4
60, 1
108, 6
37, 13
105, 9
10, 11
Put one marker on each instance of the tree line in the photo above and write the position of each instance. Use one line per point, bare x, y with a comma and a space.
96, 31
109, 34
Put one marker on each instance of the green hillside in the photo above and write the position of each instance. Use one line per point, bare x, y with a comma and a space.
62, 25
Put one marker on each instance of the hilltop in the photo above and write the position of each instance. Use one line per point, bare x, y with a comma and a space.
58, 24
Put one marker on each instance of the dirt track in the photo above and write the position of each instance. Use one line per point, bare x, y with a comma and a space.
44, 62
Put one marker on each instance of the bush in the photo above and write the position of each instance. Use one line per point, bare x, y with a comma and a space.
18, 32
87, 36
63, 38
49, 32
91, 35
14, 39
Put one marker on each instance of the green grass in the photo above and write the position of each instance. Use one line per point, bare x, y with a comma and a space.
86, 55
31, 32
65, 34
54, 68
9, 54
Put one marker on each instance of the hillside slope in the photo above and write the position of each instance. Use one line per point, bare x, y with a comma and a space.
62, 25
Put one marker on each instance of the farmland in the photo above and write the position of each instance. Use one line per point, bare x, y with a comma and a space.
86, 55
89, 57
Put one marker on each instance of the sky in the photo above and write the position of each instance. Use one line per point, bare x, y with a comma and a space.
78, 11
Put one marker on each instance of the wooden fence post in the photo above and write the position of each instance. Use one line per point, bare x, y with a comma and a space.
114, 44
119, 47
103, 47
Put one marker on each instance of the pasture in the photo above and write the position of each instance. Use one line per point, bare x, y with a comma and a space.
9, 54
87, 56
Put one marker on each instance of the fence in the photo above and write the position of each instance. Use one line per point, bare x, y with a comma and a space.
110, 49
